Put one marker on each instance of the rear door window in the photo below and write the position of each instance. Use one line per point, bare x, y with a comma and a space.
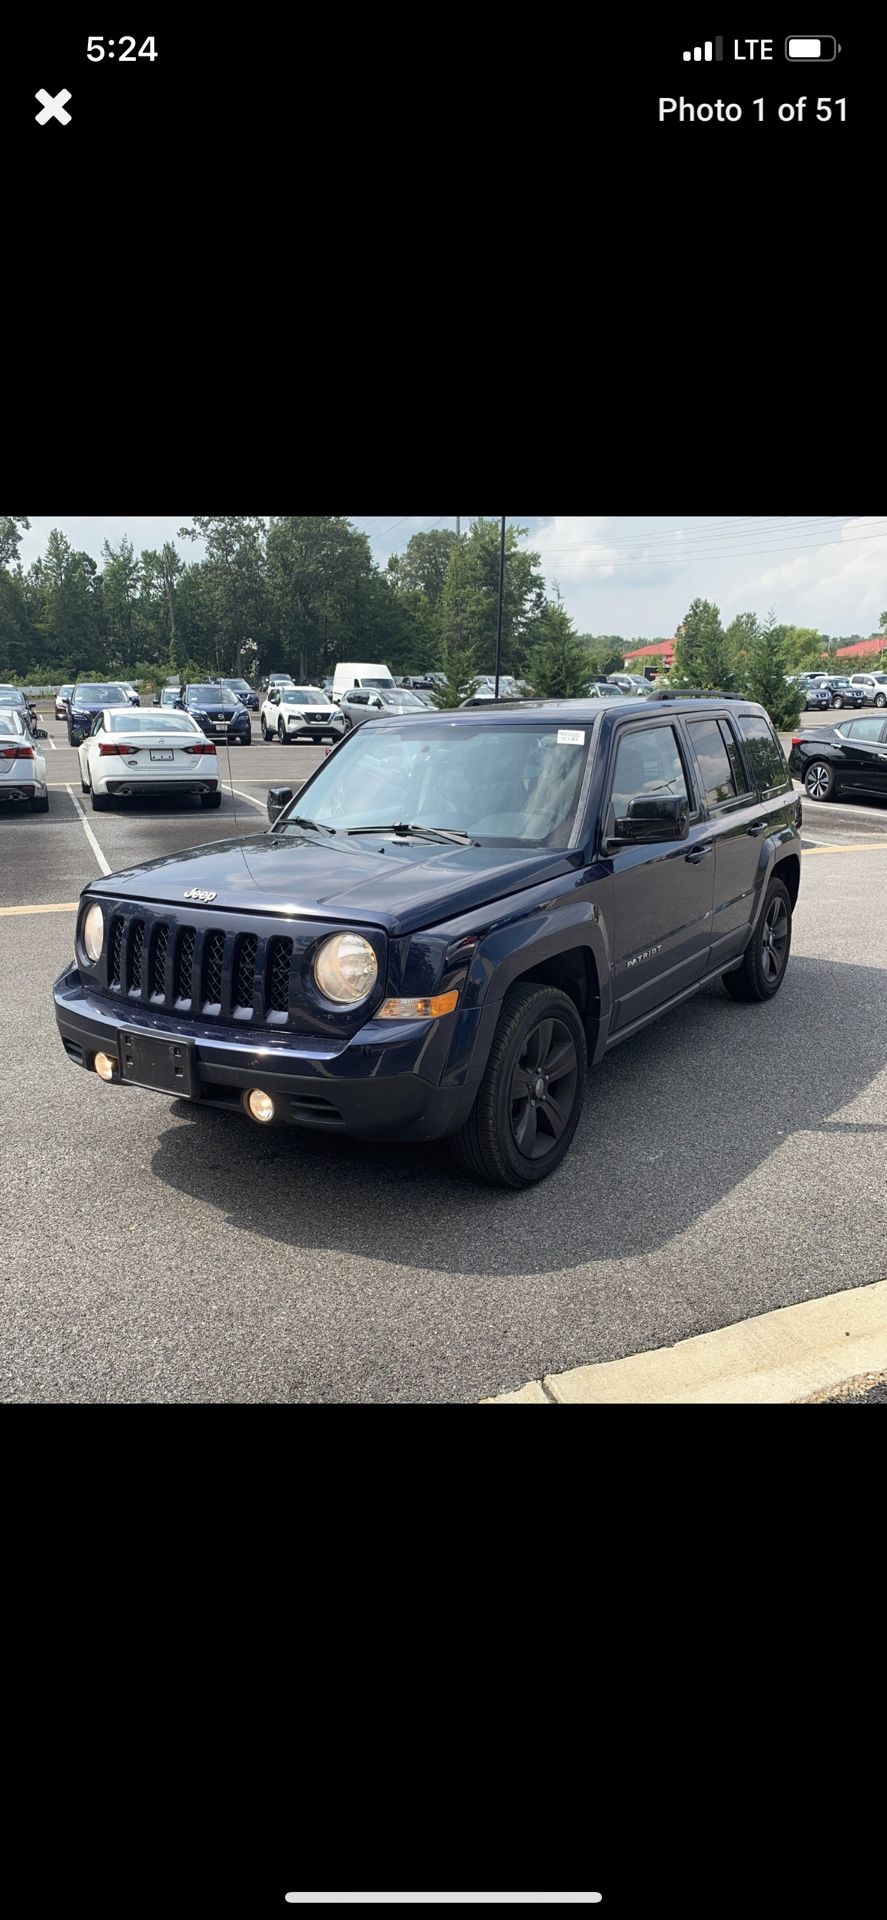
764, 755
720, 761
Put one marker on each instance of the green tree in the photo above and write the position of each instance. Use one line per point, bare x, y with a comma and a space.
557, 662
319, 573
121, 580
63, 590
806, 648
423, 566
470, 596
236, 591
739, 640
605, 653
701, 654
11, 528
17, 639
460, 667
161, 576
765, 671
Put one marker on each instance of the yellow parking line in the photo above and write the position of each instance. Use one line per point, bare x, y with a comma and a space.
63, 906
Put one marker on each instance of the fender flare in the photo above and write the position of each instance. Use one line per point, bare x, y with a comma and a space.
511, 950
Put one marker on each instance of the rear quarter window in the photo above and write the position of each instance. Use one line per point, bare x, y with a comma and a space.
767, 763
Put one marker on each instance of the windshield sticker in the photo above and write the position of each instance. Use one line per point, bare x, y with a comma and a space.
568, 738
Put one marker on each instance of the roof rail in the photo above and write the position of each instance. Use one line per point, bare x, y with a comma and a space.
694, 693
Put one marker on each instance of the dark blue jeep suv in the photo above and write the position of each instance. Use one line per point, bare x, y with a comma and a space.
458, 914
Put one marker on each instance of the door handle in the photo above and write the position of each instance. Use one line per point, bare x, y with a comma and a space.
698, 853
758, 826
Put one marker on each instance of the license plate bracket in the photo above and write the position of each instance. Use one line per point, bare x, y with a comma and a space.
149, 1060
162, 753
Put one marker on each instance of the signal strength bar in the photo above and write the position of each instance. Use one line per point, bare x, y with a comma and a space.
705, 51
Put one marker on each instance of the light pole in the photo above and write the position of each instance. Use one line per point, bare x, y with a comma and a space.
499, 610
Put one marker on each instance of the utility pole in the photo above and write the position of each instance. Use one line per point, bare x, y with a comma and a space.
458, 527
499, 611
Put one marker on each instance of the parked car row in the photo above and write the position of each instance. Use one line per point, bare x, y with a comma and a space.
822, 690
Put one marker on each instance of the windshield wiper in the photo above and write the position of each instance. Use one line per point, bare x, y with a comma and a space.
454, 834
317, 826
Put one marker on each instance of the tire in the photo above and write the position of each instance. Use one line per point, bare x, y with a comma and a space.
100, 802
819, 781
281, 733
211, 799
537, 1026
266, 733
84, 785
767, 954
837, 702
38, 805
881, 699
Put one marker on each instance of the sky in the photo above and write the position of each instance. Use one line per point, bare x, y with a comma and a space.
631, 575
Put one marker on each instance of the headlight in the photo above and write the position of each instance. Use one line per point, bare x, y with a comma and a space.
345, 968
92, 932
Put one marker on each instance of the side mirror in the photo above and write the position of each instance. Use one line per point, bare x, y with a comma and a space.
76, 736
376, 703
652, 819
179, 705
278, 798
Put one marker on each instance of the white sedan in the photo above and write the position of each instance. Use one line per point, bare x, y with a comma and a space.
22, 764
133, 750
300, 713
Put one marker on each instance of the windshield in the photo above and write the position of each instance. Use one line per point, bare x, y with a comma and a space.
515, 786
302, 697
398, 697
239, 686
103, 694
142, 720
10, 723
211, 697
169, 696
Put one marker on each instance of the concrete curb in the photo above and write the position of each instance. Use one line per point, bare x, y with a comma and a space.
779, 1358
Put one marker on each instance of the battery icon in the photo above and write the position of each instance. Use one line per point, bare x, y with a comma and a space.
821, 46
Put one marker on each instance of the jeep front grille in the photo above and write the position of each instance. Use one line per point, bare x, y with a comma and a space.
280, 955
185, 963
240, 976
245, 970
213, 956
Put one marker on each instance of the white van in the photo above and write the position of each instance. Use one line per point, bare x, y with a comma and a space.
359, 673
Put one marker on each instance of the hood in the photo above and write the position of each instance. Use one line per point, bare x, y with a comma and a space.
408, 886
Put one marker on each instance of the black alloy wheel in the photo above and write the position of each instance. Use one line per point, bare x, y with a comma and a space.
766, 957
530, 1099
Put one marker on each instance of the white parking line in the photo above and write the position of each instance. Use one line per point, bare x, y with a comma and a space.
89, 832
51, 741
247, 796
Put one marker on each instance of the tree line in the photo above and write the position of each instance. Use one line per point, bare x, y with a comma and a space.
298, 593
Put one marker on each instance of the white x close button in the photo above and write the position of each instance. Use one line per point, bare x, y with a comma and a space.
53, 107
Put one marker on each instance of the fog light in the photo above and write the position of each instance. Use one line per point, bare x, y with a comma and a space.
259, 1106
105, 1065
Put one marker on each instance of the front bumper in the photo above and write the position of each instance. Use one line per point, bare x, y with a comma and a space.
388, 1082
315, 730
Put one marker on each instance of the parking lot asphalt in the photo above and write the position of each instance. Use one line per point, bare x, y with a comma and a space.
726, 1164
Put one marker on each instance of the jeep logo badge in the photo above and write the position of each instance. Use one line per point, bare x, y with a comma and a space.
197, 893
